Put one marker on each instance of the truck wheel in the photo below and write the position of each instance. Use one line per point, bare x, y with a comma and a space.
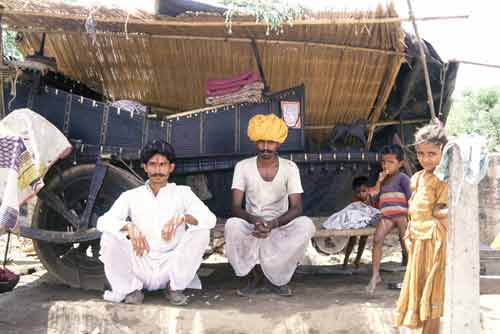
77, 264
330, 245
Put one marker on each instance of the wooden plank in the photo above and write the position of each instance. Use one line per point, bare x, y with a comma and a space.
462, 269
323, 233
218, 231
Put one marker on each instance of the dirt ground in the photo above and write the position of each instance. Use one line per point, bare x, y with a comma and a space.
326, 300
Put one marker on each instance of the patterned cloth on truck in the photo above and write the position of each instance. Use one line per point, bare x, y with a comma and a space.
29, 145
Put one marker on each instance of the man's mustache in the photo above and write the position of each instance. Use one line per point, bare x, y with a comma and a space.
158, 174
266, 151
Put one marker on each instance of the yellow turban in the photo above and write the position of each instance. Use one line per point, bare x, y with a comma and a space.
496, 243
267, 127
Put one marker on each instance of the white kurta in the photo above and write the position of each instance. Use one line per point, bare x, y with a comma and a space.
175, 261
279, 254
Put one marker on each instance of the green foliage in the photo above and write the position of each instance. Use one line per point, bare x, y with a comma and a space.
9, 44
273, 13
478, 111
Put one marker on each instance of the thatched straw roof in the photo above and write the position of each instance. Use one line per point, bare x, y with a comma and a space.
348, 68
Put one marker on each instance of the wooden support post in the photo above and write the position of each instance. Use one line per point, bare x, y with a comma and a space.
430, 100
259, 65
462, 257
2, 98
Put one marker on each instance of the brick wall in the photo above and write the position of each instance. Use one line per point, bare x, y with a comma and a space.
489, 201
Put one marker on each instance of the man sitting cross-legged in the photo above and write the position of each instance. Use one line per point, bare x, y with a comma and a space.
154, 236
270, 231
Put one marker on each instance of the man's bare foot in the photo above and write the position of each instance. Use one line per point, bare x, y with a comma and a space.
254, 279
370, 288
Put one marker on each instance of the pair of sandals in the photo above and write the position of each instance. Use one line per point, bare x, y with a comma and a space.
176, 298
255, 279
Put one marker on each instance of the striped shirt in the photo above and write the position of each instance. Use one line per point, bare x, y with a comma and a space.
394, 195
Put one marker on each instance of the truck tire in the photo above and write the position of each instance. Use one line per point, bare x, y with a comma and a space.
78, 264
330, 245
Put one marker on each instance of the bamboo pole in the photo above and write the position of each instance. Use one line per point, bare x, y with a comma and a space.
430, 101
148, 21
258, 60
378, 124
474, 63
249, 40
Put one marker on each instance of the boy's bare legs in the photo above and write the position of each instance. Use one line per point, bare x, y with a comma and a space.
348, 250
383, 228
361, 249
431, 326
402, 224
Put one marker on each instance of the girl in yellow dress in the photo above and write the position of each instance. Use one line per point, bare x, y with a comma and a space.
420, 303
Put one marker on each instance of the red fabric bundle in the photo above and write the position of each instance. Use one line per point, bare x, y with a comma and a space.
230, 85
8, 280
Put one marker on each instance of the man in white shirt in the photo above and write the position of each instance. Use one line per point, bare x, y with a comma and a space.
270, 231
154, 236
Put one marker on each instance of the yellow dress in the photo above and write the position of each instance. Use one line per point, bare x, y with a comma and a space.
422, 294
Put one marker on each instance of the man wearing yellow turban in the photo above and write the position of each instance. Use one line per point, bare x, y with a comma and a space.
266, 240
267, 128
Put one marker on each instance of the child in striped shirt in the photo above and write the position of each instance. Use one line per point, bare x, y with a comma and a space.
393, 188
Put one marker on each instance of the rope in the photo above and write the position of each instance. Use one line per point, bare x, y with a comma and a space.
126, 26
13, 88
90, 25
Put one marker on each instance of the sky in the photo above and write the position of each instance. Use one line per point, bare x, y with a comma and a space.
473, 39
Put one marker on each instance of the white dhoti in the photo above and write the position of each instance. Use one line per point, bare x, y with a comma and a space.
127, 272
278, 255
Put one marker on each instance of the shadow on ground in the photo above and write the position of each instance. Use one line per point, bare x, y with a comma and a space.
320, 304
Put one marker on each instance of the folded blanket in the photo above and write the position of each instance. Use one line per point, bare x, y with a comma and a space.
253, 87
248, 95
355, 215
256, 86
238, 78
216, 90
234, 101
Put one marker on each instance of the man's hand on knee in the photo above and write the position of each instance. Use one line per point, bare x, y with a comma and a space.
169, 229
139, 242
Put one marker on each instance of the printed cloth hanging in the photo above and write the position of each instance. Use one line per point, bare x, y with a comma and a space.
29, 145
